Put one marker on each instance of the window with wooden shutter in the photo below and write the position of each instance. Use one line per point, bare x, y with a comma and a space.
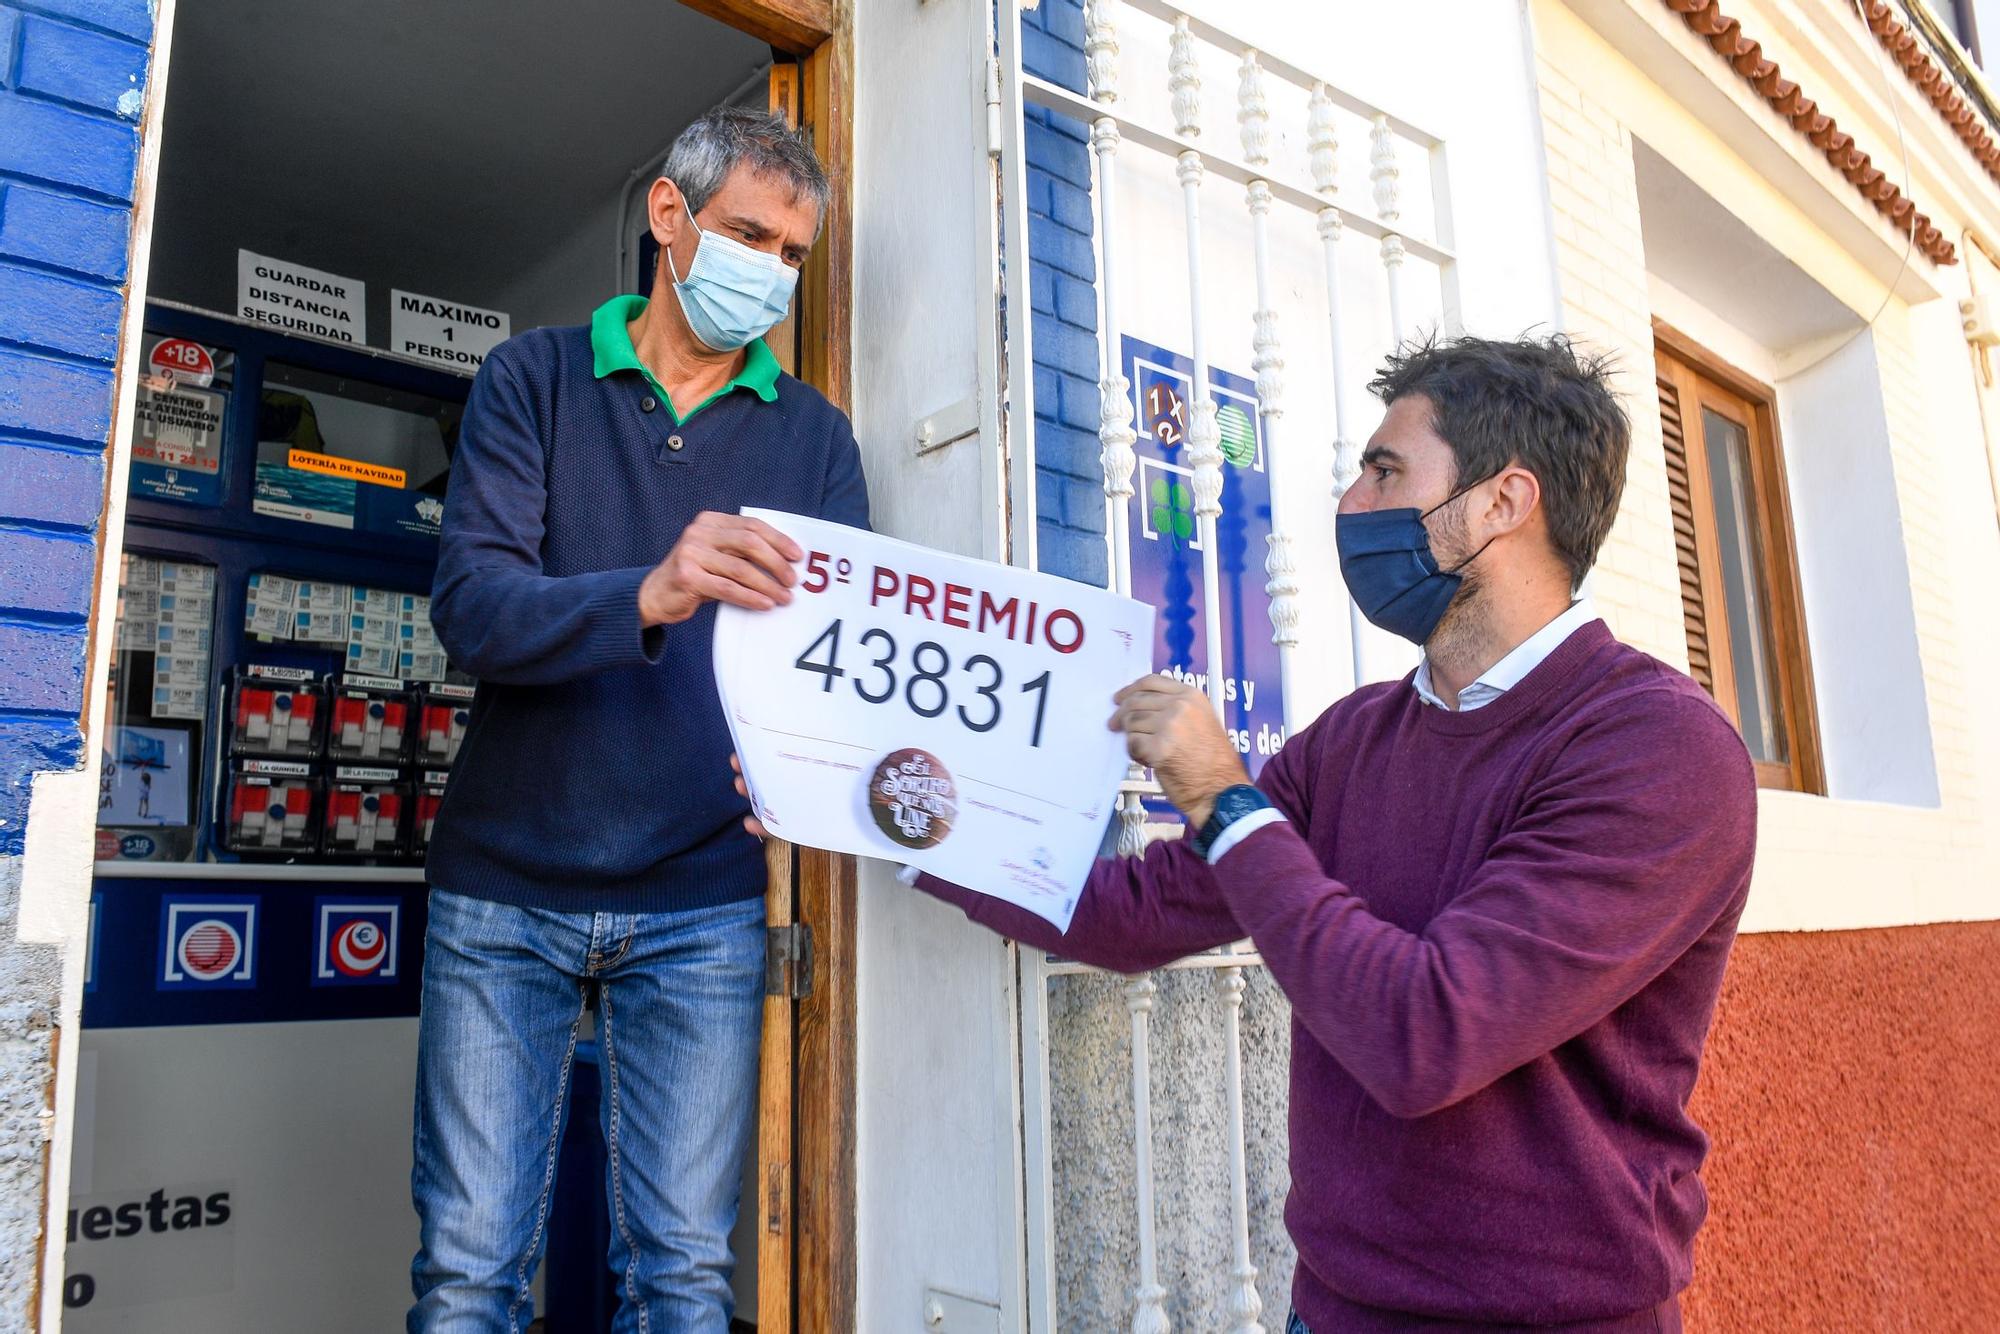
1740, 601
1680, 500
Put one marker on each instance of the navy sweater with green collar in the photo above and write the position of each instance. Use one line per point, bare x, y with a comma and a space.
594, 775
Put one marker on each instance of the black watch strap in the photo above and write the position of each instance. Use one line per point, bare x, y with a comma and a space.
1231, 805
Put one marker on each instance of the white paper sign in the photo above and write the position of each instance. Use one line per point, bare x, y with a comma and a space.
295, 298
930, 709
446, 333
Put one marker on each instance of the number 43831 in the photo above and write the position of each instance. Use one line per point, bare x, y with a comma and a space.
924, 680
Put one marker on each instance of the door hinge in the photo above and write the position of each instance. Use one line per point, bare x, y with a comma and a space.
788, 961
994, 137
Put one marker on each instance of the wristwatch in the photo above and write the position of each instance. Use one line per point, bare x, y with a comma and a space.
1231, 805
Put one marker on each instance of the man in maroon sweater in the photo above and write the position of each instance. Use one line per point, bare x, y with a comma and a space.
1499, 893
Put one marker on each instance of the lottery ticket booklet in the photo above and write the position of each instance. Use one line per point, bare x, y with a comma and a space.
935, 710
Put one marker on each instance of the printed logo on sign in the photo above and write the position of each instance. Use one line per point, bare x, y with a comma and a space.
355, 944
912, 798
430, 509
210, 942
180, 361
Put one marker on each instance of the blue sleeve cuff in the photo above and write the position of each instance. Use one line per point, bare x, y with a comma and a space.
612, 635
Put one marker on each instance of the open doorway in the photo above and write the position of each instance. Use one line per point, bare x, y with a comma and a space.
489, 159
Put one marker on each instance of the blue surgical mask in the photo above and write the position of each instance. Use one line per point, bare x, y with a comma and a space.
1394, 577
732, 294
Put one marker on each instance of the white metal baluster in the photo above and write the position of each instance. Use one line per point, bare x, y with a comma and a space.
1132, 818
1323, 147
1323, 144
1114, 408
1267, 359
1149, 1312
1386, 175
1100, 50
1243, 1304
1203, 437
1115, 434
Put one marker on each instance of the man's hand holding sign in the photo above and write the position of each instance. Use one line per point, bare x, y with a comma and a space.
1171, 728
726, 558
912, 705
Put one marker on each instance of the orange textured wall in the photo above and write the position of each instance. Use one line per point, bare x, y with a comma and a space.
1852, 1090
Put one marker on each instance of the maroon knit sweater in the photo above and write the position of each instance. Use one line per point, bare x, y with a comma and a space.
1502, 933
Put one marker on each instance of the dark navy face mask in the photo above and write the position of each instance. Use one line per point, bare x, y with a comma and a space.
1386, 559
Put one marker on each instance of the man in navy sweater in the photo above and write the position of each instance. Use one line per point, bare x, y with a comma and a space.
1499, 893
589, 835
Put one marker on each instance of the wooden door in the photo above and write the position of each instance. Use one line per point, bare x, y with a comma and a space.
805, 1123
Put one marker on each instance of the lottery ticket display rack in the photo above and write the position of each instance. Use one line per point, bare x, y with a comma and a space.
279, 716
282, 720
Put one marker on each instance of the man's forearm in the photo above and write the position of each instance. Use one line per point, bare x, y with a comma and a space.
1134, 914
995, 915
520, 628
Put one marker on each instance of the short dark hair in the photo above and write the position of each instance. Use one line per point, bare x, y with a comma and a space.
1533, 402
722, 138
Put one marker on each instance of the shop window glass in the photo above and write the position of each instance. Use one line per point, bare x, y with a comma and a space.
350, 454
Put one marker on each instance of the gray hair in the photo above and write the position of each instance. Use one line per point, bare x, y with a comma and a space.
725, 137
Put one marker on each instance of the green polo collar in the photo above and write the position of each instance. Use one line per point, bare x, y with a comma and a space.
611, 350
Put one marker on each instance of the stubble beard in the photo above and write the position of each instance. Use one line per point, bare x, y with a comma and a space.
1464, 624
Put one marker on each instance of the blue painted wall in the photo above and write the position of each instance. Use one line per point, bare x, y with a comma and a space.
1062, 268
72, 79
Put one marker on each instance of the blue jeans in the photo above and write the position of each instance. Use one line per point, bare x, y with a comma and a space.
1296, 1325
680, 1009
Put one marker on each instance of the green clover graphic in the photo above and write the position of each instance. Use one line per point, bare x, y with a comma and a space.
1173, 509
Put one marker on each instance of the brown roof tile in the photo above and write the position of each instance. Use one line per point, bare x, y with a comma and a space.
1934, 82
1706, 19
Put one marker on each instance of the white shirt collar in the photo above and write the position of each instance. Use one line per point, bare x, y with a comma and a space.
1507, 673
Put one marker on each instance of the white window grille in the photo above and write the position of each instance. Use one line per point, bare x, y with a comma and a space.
1313, 187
